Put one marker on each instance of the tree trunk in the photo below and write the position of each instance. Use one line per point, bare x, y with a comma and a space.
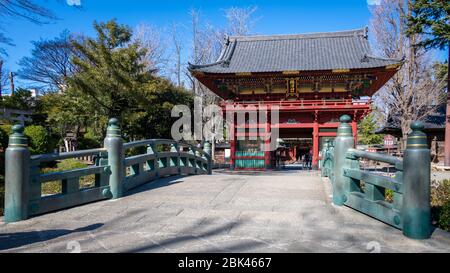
11, 82
1, 77
447, 117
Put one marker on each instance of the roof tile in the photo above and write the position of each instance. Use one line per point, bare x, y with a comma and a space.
303, 52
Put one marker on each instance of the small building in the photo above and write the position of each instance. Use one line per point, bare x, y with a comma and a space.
311, 79
434, 128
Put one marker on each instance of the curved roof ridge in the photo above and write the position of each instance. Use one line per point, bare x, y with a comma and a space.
349, 49
383, 58
195, 66
312, 35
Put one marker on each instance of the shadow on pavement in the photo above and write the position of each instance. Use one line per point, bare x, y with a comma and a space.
159, 183
191, 236
18, 239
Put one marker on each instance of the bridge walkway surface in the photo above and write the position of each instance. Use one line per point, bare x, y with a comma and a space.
284, 211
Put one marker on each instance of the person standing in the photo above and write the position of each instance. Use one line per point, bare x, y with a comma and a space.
309, 159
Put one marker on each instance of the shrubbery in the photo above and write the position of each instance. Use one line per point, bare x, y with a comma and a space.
55, 187
88, 141
5, 130
38, 139
443, 219
440, 202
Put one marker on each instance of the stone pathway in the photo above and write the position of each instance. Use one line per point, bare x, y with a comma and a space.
286, 211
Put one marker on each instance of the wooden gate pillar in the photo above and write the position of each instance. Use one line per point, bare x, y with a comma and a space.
355, 131
315, 159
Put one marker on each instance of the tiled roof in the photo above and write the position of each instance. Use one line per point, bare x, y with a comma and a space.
301, 52
434, 121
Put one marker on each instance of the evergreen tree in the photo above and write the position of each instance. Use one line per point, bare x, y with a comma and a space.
109, 70
431, 18
111, 80
366, 131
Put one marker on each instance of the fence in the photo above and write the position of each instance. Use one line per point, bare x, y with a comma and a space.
114, 172
366, 191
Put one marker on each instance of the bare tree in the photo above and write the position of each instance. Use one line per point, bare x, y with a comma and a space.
203, 40
207, 44
26, 9
49, 63
150, 39
207, 41
3, 77
413, 93
5, 41
240, 20
177, 44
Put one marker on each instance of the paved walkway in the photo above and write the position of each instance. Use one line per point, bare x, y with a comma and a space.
286, 211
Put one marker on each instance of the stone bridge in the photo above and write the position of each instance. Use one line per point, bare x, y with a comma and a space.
276, 211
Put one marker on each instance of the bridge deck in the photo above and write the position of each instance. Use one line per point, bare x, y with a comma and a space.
271, 212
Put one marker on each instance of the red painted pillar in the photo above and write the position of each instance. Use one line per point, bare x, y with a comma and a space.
232, 142
315, 159
232, 152
355, 131
267, 143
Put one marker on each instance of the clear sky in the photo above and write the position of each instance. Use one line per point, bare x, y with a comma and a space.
275, 17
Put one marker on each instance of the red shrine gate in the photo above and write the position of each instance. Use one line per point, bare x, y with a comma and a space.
315, 119
312, 79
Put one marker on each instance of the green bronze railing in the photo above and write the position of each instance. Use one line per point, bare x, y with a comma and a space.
114, 172
366, 191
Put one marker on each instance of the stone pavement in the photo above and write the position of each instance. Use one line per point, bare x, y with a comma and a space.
287, 211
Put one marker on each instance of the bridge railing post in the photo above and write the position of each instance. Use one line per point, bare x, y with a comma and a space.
343, 141
17, 176
207, 150
153, 149
416, 211
176, 149
116, 157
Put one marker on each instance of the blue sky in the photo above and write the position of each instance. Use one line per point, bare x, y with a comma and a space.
275, 17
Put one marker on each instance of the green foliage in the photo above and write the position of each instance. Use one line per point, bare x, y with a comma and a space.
366, 131
440, 203
389, 195
154, 120
112, 81
54, 187
5, 130
109, 69
444, 217
440, 72
107, 78
38, 139
430, 17
89, 141
21, 99
440, 192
